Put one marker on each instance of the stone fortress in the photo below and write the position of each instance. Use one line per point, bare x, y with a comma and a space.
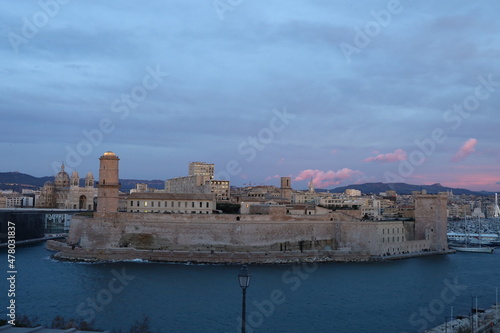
267, 234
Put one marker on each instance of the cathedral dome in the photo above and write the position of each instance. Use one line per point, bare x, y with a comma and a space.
62, 178
48, 184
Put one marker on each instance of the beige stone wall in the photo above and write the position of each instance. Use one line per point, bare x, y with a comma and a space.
271, 232
182, 231
431, 220
246, 233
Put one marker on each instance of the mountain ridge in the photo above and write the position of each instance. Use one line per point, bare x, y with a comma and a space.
18, 181
404, 188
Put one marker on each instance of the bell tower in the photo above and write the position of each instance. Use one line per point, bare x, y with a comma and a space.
108, 187
286, 188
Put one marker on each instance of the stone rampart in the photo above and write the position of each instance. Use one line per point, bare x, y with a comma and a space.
229, 238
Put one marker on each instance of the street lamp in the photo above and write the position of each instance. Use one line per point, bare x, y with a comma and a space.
244, 278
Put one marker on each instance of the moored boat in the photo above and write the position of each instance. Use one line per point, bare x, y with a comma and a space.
479, 249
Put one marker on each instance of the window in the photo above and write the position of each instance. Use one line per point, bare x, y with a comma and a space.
208, 204
152, 203
145, 203
192, 204
131, 203
138, 203
201, 204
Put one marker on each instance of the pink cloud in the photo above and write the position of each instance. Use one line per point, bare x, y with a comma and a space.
323, 179
397, 155
271, 177
467, 148
334, 151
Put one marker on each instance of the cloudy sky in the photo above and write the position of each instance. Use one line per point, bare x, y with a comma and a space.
341, 92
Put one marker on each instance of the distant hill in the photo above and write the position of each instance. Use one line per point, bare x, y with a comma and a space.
403, 188
18, 181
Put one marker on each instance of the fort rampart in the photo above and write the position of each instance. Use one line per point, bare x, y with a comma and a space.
221, 238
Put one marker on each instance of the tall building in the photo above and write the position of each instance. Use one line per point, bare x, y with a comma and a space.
496, 213
65, 192
353, 192
109, 185
200, 181
201, 169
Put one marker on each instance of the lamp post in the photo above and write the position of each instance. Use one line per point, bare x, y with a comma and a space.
244, 279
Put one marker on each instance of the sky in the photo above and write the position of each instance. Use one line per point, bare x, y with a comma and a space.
340, 92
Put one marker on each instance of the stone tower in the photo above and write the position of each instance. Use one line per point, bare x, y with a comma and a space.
89, 180
108, 188
75, 179
431, 219
286, 188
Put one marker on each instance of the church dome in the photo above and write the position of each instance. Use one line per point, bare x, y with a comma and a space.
74, 174
48, 184
62, 178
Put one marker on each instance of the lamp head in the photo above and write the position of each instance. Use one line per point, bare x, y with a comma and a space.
244, 277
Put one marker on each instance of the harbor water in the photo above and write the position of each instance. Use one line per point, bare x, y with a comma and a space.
395, 296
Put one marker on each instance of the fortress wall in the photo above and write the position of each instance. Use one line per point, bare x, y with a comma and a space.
206, 232
240, 238
221, 233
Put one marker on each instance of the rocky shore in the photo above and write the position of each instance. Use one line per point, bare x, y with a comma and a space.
67, 252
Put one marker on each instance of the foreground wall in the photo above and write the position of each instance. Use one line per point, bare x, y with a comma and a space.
206, 232
235, 238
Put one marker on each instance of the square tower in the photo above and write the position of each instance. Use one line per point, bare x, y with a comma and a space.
286, 188
431, 220
109, 185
